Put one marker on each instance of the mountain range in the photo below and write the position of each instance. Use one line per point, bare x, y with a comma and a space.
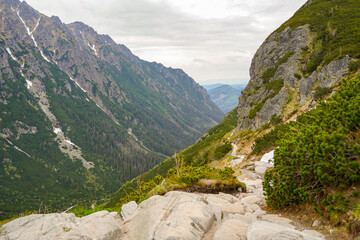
80, 114
225, 96
285, 158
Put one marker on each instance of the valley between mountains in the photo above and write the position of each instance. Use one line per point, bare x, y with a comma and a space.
81, 114
139, 151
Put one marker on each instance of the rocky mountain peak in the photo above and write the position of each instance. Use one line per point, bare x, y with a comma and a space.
56, 19
295, 64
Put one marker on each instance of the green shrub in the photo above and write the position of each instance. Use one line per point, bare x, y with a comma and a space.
274, 86
270, 72
297, 75
275, 119
320, 93
270, 139
254, 110
221, 151
319, 152
354, 66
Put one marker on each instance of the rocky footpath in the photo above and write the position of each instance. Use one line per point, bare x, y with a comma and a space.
100, 225
176, 215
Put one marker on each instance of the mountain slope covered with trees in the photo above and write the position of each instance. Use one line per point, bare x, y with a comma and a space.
226, 96
81, 114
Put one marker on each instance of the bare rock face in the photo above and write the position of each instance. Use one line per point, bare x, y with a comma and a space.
177, 215
232, 229
278, 85
101, 225
325, 78
274, 48
128, 209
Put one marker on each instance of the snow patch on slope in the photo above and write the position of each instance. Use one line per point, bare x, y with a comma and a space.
92, 46
268, 157
11, 55
69, 142
57, 130
17, 148
79, 85
37, 24
29, 84
30, 33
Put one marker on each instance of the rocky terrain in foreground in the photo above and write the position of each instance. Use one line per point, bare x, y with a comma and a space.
176, 215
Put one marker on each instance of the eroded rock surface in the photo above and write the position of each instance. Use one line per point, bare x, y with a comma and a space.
101, 225
128, 209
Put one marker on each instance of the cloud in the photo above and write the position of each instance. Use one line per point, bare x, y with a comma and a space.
209, 39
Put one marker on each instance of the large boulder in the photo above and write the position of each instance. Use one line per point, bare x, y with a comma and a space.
100, 226
177, 215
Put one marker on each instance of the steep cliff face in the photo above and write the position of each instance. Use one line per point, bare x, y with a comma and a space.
79, 111
308, 54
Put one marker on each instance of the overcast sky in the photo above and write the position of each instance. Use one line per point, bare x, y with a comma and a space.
211, 40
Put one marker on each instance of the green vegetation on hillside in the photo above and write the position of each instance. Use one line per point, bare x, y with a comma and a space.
270, 72
268, 141
222, 180
131, 114
42, 177
197, 155
319, 155
272, 88
225, 97
337, 29
203, 151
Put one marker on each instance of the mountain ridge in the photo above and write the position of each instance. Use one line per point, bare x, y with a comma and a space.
226, 96
66, 91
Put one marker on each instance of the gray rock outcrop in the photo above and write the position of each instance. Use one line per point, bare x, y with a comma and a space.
101, 225
280, 58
